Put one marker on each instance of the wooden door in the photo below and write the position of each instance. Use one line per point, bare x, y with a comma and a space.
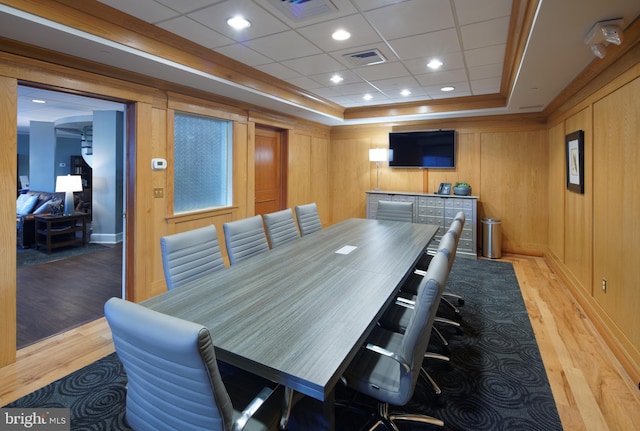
270, 182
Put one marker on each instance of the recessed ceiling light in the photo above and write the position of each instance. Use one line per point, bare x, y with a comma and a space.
447, 89
367, 97
341, 35
38, 101
434, 64
405, 92
336, 78
238, 22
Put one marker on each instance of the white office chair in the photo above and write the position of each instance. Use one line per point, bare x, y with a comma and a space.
308, 218
395, 211
281, 227
173, 379
189, 255
244, 238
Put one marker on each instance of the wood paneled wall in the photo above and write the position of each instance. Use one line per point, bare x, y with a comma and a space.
507, 169
594, 236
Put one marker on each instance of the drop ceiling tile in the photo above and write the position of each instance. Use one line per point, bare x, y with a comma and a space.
303, 82
486, 33
470, 11
186, 6
146, 10
243, 54
451, 61
196, 32
486, 71
278, 70
358, 88
366, 5
361, 33
397, 84
348, 77
442, 78
314, 64
412, 17
485, 86
283, 46
487, 55
382, 71
461, 89
427, 45
262, 23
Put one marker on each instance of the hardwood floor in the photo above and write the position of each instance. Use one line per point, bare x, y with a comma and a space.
56, 296
591, 389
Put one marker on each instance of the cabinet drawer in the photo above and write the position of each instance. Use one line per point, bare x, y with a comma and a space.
435, 202
450, 213
466, 235
465, 245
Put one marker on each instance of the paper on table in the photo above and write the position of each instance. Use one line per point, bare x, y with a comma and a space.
346, 249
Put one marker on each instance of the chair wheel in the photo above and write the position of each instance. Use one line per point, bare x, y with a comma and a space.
460, 301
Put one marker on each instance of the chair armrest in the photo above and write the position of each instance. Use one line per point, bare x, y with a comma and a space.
252, 408
404, 302
384, 352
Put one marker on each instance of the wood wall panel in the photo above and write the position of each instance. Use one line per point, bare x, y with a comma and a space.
8, 189
350, 176
578, 216
616, 207
299, 167
556, 190
319, 178
514, 175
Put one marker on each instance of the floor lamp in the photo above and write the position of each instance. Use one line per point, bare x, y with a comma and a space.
69, 184
377, 155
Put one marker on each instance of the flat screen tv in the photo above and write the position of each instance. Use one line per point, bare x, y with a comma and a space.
424, 149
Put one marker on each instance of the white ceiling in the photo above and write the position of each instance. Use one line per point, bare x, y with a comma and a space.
468, 36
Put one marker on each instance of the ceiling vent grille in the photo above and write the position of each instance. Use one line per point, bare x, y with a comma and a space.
299, 10
365, 58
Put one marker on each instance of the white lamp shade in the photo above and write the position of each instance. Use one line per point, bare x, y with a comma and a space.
69, 183
378, 155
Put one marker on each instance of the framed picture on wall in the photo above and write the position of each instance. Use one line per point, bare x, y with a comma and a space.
444, 189
575, 161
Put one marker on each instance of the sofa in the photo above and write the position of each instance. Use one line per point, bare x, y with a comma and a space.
28, 205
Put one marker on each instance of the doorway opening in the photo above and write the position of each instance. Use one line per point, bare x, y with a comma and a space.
66, 273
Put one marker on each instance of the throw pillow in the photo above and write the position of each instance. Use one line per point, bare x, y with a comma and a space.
56, 207
25, 204
44, 208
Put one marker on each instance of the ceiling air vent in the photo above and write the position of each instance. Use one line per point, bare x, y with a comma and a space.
299, 10
365, 58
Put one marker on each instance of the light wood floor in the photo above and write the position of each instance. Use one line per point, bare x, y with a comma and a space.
591, 389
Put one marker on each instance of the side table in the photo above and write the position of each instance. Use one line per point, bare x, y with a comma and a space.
55, 231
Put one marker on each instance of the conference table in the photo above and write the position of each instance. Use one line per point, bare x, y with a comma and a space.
297, 314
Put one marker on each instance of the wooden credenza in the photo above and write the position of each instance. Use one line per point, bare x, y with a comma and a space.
438, 210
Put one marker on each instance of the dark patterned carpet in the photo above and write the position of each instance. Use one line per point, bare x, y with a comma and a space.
495, 381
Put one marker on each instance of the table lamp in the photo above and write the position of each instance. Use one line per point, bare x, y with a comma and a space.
69, 184
378, 155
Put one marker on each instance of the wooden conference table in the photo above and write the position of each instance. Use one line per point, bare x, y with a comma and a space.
298, 314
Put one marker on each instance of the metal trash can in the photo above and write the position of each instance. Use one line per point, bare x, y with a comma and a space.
491, 238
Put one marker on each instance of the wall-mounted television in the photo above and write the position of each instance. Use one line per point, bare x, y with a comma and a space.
422, 149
